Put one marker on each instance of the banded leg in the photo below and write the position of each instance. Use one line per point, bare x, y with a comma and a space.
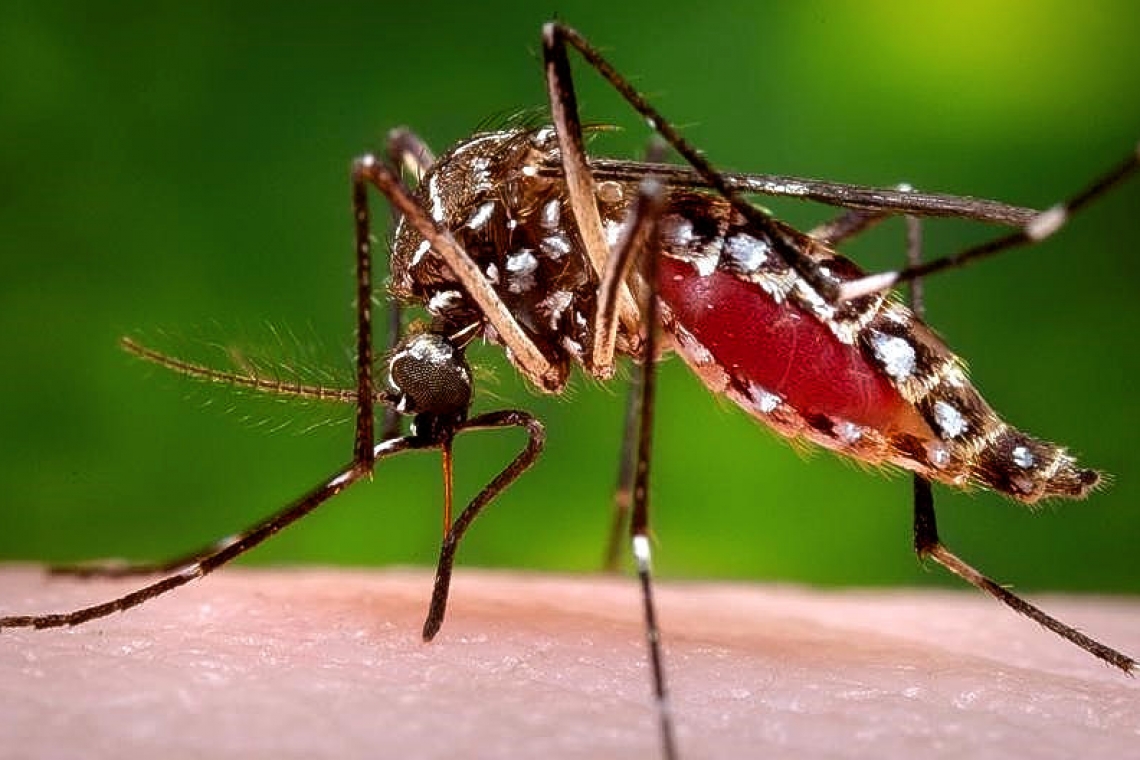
926, 540
557, 36
638, 239
406, 150
632, 494
649, 207
1036, 229
615, 300
210, 559
1041, 226
614, 271
627, 461
363, 453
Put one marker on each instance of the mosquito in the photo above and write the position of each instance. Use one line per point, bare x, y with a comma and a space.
516, 237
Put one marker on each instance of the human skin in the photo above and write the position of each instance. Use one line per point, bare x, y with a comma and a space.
312, 663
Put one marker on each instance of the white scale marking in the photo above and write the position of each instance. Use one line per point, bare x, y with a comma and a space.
694, 349
481, 215
341, 479
705, 264
421, 251
443, 300
818, 306
953, 375
867, 285
763, 399
676, 231
937, 454
1023, 457
379, 450
520, 270
894, 353
778, 285
791, 188
748, 253
521, 263
481, 167
641, 551
1046, 223
555, 246
425, 348
556, 303
614, 232
191, 571
551, 214
848, 432
573, 347
897, 314
950, 420
436, 199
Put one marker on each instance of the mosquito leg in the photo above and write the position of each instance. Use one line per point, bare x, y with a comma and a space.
623, 490
845, 226
557, 36
408, 152
927, 543
917, 296
536, 438
632, 495
119, 569
362, 451
639, 514
643, 218
580, 189
211, 559
861, 197
925, 527
364, 397
1040, 227
856, 221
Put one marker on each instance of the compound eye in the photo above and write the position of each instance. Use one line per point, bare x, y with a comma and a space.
428, 375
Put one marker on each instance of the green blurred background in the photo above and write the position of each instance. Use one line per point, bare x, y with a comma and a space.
185, 169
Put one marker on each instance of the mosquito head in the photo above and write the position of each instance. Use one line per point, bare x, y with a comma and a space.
428, 377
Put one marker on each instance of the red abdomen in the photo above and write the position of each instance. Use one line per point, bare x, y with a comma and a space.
780, 348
